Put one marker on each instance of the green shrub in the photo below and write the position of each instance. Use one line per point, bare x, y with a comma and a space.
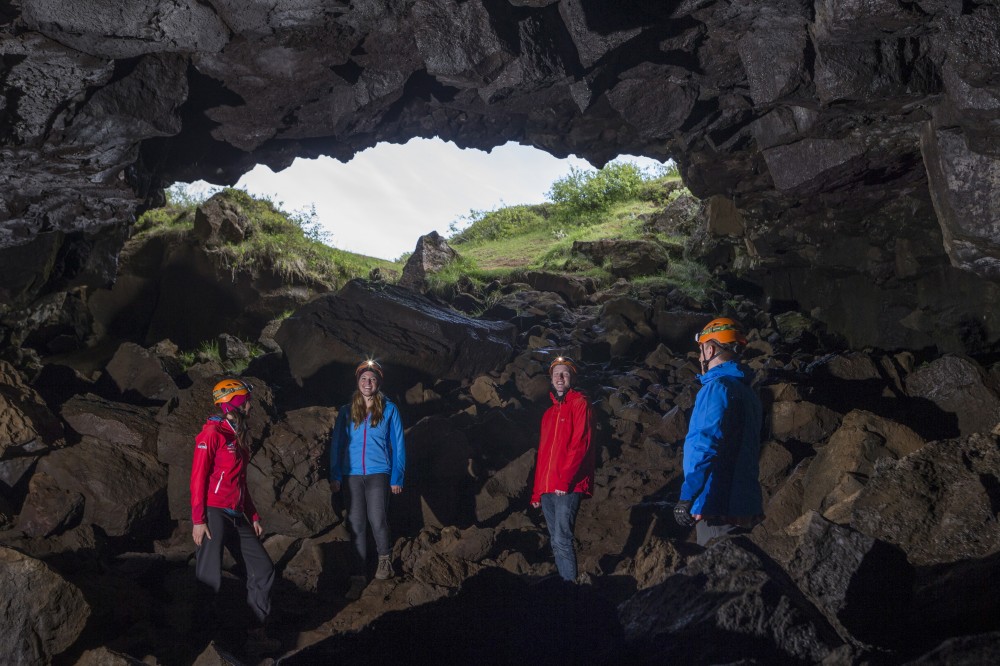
481, 225
585, 192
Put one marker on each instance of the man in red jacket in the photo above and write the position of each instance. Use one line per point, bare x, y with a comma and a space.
564, 473
221, 508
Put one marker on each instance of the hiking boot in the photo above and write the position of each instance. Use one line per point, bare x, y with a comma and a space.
384, 570
355, 586
258, 642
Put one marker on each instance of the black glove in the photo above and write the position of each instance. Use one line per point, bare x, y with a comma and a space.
682, 513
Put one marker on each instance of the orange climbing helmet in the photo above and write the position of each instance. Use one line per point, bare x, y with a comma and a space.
228, 389
369, 364
563, 360
722, 330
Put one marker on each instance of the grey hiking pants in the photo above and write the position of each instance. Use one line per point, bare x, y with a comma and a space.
367, 499
236, 534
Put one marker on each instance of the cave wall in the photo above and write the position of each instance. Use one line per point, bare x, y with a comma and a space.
859, 139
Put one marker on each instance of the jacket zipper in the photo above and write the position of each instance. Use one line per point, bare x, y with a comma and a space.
552, 443
364, 449
222, 474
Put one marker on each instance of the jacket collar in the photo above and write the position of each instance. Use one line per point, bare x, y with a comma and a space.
727, 369
570, 395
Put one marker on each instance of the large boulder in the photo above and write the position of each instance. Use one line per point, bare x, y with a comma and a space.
802, 421
431, 255
506, 487
625, 258
957, 386
112, 422
844, 464
730, 603
26, 424
287, 479
139, 373
572, 288
42, 614
49, 509
938, 504
124, 489
863, 586
398, 327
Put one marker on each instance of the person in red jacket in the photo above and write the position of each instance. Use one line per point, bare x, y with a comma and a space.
222, 510
564, 473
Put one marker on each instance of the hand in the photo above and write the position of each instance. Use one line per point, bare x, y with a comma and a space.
682, 513
258, 529
559, 492
334, 486
199, 532
396, 489
535, 505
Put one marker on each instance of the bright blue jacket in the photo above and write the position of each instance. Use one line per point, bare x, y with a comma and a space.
363, 449
722, 446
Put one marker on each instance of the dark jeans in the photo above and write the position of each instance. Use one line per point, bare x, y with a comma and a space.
367, 498
560, 517
238, 536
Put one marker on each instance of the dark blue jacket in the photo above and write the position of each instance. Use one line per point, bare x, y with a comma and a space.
722, 446
362, 449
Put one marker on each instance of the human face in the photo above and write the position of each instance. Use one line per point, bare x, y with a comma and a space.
368, 384
562, 379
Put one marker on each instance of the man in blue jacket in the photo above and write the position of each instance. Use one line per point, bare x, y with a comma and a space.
721, 490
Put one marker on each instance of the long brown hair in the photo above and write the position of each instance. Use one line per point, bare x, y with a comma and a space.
359, 409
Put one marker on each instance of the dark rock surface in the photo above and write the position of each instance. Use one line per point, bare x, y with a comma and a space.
398, 327
856, 145
431, 255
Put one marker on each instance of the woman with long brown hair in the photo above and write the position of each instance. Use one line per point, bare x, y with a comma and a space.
368, 460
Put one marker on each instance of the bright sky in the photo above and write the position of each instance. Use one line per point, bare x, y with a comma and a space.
385, 198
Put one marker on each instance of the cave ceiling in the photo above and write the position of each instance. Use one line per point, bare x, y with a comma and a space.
858, 139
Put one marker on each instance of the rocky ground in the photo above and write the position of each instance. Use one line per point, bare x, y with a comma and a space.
881, 474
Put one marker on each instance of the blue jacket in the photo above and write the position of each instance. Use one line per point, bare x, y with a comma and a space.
722, 446
368, 450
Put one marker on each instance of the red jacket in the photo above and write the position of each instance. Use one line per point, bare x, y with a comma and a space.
565, 456
219, 472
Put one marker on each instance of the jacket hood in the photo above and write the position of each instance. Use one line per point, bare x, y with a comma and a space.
727, 369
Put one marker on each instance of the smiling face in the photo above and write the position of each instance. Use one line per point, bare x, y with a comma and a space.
562, 379
368, 383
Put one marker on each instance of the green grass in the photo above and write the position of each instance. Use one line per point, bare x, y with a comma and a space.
288, 245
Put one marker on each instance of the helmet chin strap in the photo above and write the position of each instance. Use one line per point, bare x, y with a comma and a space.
705, 361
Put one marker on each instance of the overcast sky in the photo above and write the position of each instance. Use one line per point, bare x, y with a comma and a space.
385, 198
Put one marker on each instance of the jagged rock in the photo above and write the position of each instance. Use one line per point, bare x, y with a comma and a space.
508, 486
49, 509
573, 289
844, 464
26, 424
116, 423
232, 348
656, 560
674, 425
526, 308
139, 372
802, 421
42, 614
626, 324
957, 386
431, 255
567, 624
727, 604
625, 258
862, 586
104, 657
397, 326
530, 376
219, 221
484, 391
963, 651
850, 366
937, 504
124, 489
782, 509
286, 477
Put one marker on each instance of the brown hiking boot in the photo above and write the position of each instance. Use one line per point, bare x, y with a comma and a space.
384, 570
355, 586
